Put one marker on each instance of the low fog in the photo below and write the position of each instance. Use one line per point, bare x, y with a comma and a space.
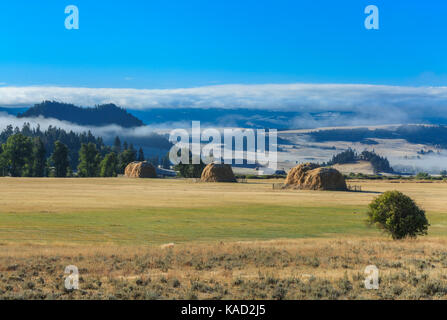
139, 135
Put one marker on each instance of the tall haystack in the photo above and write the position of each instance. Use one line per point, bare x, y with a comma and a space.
140, 170
310, 176
218, 173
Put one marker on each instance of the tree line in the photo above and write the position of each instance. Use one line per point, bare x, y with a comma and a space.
23, 156
49, 136
35, 153
380, 164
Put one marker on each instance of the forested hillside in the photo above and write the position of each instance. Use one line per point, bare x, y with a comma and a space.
380, 164
101, 115
431, 135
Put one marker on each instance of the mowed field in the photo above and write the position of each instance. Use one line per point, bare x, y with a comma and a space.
156, 211
232, 241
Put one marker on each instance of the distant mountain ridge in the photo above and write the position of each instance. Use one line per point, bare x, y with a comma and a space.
101, 115
435, 135
216, 117
273, 119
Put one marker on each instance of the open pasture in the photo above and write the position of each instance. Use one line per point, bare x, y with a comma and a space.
156, 211
232, 241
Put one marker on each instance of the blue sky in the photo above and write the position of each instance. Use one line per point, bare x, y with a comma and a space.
172, 44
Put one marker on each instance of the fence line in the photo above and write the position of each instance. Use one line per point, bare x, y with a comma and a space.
355, 188
278, 186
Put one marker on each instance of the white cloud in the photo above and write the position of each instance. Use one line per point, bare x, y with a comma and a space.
296, 97
334, 104
106, 132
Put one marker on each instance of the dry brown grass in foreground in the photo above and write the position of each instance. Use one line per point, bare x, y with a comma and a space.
289, 269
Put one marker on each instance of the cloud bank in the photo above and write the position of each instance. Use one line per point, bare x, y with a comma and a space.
285, 97
314, 105
144, 135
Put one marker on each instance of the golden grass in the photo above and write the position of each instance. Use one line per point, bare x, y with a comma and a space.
68, 195
286, 269
214, 266
153, 211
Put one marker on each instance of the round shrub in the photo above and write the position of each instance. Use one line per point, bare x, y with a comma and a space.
398, 215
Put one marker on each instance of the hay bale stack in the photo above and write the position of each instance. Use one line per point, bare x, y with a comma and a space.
297, 175
140, 170
310, 176
218, 173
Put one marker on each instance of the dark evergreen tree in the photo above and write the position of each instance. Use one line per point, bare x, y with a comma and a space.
60, 159
3, 163
347, 156
39, 158
109, 165
190, 170
18, 152
117, 145
89, 159
379, 163
126, 157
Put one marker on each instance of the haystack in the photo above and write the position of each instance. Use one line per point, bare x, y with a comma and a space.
140, 170
310, 176
218, 173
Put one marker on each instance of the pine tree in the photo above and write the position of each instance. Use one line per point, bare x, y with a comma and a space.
109, 165
60, 159
126, 157
117, 145
18, 154
3, 163
190, 170
89, 159
39, 159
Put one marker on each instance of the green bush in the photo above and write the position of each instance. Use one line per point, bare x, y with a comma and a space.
398, 215
423, 176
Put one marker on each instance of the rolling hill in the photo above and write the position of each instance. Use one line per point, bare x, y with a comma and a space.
98, 116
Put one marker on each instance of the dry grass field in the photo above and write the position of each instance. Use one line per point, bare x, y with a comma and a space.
19, 195
232, 241
281, 269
